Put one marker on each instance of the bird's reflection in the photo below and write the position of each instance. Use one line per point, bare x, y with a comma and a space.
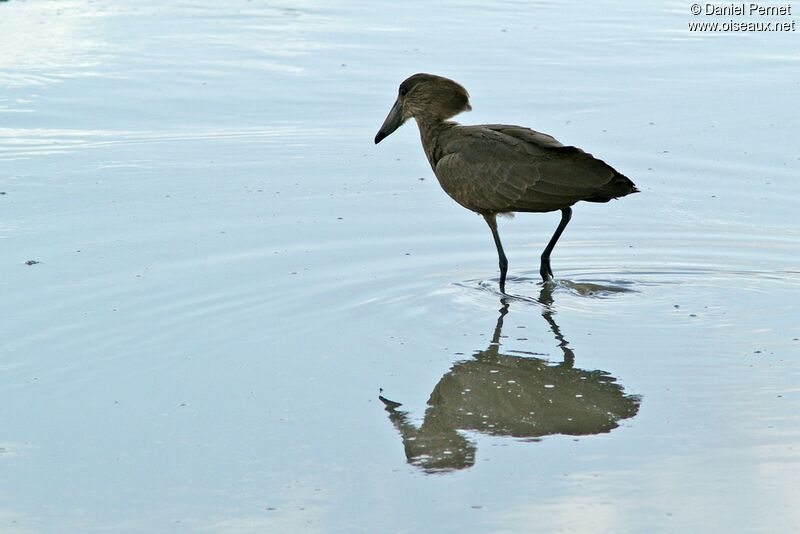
509, 395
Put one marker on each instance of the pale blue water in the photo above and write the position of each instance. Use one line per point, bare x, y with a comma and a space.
230, 271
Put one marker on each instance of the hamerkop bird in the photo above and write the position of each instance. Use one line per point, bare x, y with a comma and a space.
495, 169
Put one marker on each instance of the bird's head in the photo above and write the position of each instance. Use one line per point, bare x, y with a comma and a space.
427, 97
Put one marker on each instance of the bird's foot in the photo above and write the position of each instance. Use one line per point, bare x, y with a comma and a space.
545, 270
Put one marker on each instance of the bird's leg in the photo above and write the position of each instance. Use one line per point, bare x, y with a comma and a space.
545, 270
491, 220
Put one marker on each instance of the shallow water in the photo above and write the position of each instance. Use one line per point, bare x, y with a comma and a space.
229, 273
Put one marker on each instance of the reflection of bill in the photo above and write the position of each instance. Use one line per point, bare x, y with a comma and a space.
506, 395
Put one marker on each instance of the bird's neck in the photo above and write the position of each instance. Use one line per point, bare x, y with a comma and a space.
430, 130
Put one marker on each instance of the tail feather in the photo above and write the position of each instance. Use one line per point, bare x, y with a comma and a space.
619, 186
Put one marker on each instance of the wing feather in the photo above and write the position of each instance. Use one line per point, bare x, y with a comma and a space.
498, 168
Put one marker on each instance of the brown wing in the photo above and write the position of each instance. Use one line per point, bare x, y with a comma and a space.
498, 168
525, 134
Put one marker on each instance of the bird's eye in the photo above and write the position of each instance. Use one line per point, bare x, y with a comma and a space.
403, 91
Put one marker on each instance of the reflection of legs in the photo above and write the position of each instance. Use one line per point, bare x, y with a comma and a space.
491, 220
546, 300
498, 329
545, 270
